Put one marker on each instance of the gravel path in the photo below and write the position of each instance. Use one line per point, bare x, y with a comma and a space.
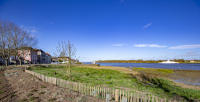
26, 88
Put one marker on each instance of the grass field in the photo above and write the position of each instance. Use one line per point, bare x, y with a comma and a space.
116, 79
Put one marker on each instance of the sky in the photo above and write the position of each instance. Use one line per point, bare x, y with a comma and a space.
111, 29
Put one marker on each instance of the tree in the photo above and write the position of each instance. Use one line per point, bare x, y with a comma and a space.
61, 49
66, 50
12, 39
5, 41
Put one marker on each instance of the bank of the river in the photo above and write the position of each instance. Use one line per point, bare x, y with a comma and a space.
178, 66
119, 77
146, 61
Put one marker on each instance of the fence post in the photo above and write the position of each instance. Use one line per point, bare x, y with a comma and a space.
116, 95
108, 97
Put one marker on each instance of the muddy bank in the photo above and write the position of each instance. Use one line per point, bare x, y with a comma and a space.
188, 77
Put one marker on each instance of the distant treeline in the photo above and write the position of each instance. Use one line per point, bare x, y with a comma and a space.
147, 61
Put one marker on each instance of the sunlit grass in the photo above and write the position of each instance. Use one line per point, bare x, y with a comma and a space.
154, 71
116, 79
99, 77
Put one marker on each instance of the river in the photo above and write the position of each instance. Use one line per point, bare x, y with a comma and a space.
155, 65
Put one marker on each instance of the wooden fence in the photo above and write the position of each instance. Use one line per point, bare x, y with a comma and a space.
110, 94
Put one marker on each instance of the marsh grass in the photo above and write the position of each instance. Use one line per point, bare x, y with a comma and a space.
99, 77
158, 78
116, 79
154, 71
171, 88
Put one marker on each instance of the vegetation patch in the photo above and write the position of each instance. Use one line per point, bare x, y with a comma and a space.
149, 80
171, 88
42, 92
1, 92
167, 85
43, 86
154, 71
100, 77
34, 98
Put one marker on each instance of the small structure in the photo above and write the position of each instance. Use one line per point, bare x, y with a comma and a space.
93, 62
168, 62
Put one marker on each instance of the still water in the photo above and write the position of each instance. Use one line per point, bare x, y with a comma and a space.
155, 65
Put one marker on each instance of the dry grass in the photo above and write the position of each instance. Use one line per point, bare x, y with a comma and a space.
121, 69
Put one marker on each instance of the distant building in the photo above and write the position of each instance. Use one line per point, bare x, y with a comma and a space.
47, 58
41, 56
63, 60
28, 55
34, 56
168, 62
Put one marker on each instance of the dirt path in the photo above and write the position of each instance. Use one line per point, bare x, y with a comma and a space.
30, 89
6, 92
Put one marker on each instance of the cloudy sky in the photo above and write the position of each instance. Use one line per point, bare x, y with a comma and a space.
111, 29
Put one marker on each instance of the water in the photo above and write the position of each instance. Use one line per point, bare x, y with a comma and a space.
187, 82
155, 65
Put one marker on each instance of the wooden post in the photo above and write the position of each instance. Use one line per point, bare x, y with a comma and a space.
131, 97
152, 99
112, 92
138, 97
120, 95
149, 99
104, 92
116, 95
90, 91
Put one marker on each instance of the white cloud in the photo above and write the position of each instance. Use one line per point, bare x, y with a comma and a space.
147, 25
31, 29
149, 45
185, 46
117, 45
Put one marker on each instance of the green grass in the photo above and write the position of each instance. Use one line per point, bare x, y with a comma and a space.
1, 92
116, 79
91, 76
169, 86
155, 71
99, 77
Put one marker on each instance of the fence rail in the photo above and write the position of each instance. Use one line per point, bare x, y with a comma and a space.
110, 94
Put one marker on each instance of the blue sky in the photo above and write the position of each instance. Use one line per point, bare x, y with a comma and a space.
111, 29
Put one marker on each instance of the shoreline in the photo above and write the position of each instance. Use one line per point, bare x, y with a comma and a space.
177, 73
150, 62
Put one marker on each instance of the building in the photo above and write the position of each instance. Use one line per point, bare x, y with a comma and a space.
34, 56
47, 58
43, 57
63, 60
28, 55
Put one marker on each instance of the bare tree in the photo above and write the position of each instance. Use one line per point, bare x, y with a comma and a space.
61, 49
12, 39
5, 41
71, 53
66, 50
24, 45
